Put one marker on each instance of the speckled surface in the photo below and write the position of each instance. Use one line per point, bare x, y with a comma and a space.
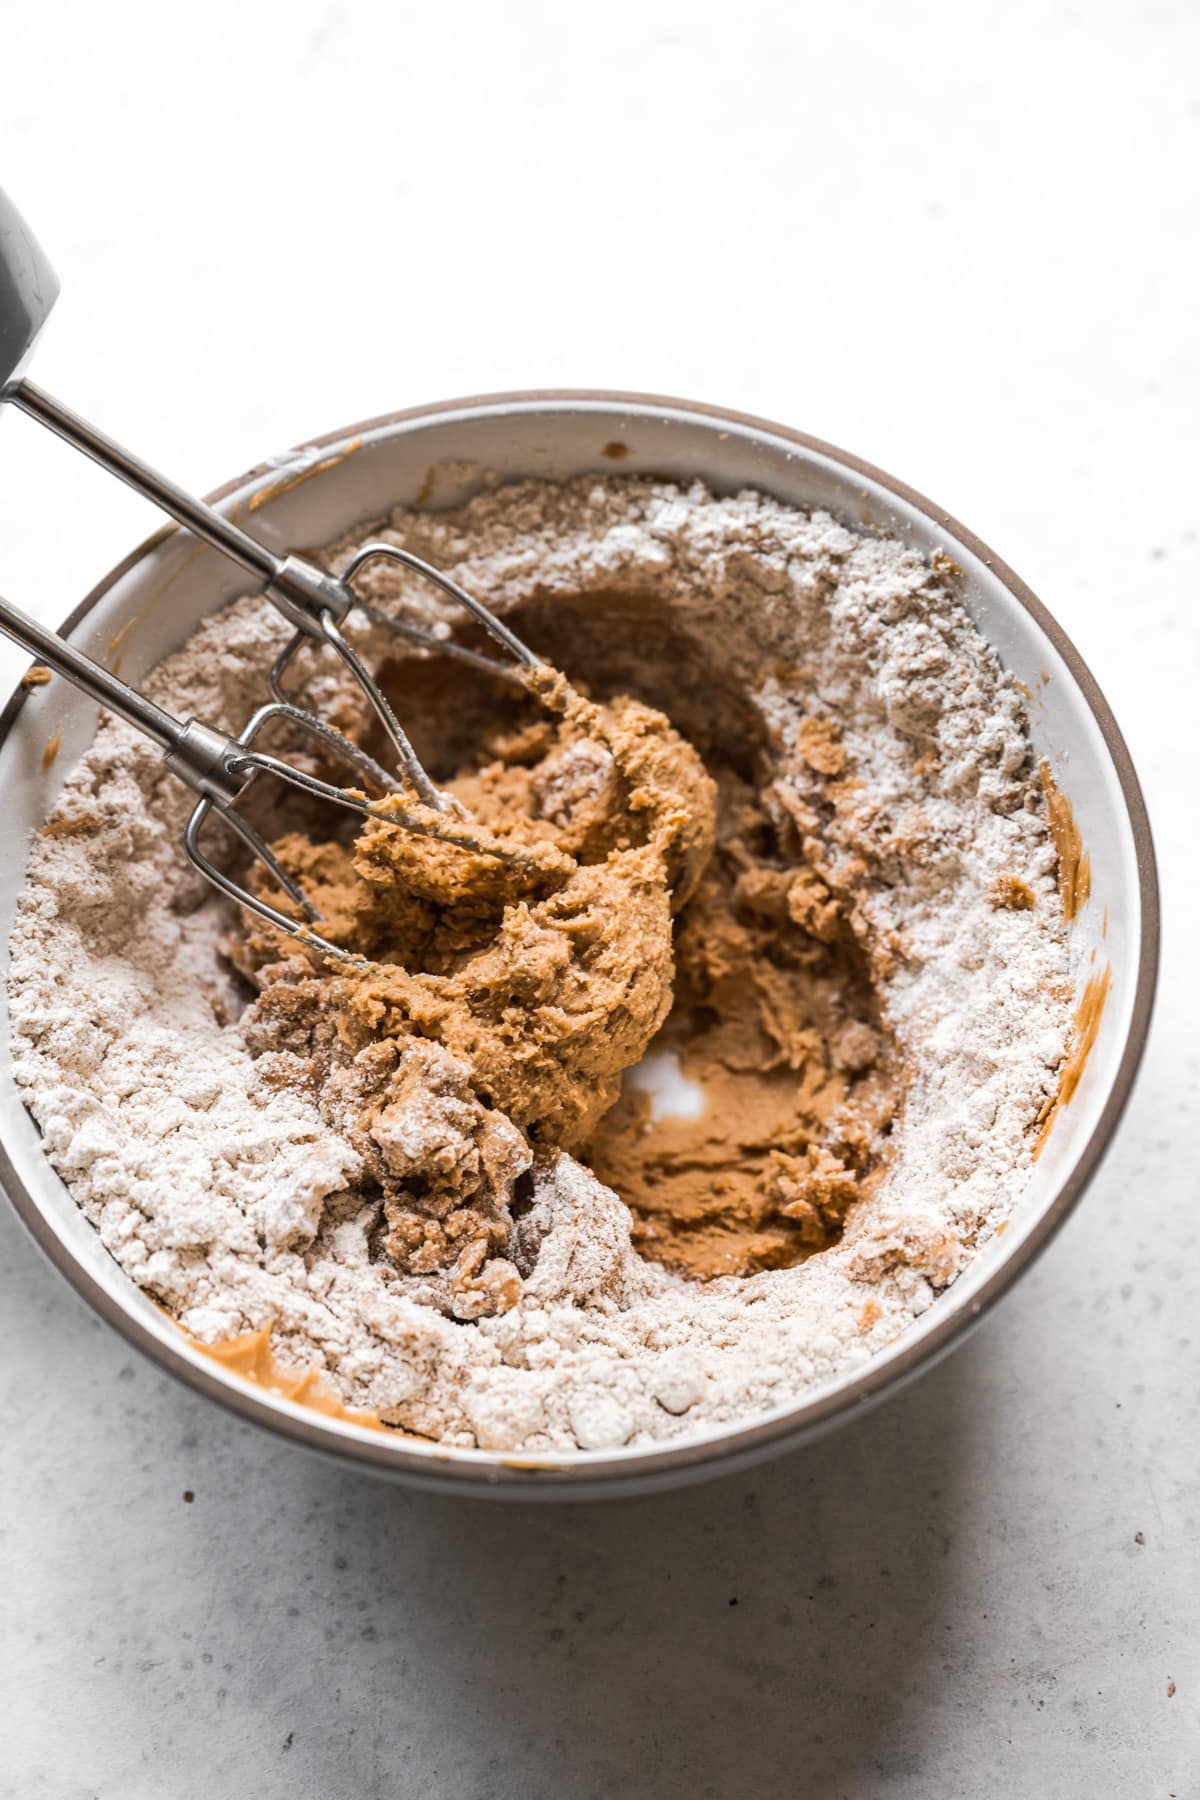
961, 242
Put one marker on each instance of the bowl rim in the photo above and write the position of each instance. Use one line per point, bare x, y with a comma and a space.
712, 1454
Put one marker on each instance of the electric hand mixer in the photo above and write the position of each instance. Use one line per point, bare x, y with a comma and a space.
214, 764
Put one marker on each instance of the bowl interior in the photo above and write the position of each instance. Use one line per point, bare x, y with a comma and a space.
438, 457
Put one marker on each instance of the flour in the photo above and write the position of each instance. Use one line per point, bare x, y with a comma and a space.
228, 1198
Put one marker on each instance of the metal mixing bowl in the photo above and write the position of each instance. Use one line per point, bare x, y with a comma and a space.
437, 456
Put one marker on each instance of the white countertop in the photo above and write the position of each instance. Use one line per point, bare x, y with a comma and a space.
959, 240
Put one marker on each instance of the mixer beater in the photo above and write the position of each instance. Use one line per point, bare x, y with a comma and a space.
216, 765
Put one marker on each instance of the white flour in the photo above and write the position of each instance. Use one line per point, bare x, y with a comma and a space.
234, 1204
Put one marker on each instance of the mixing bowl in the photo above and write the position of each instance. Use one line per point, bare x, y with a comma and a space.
437, 456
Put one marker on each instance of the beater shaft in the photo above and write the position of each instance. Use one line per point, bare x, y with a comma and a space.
300, 590
196, 753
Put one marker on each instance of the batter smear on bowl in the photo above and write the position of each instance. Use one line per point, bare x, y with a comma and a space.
695, 1108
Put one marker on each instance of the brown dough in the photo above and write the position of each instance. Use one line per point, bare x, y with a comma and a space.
498, 997
774, 1019
504, 1002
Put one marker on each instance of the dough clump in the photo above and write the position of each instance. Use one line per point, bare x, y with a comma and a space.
503, 999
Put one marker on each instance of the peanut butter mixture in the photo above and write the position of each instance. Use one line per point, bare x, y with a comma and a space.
505, 1000
774, 1021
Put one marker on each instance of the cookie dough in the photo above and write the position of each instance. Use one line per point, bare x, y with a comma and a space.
504, 1001
775, 1025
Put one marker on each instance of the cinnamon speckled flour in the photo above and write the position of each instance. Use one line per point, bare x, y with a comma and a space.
231, 1200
